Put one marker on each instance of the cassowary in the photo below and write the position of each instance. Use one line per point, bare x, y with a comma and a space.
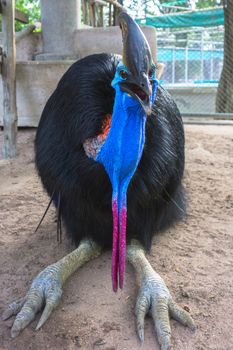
110, 147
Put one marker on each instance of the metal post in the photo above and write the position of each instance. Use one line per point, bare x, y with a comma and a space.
186, 64
212, 63
9, 79
202, 61
173, 65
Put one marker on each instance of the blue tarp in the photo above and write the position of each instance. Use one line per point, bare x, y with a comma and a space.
202, 18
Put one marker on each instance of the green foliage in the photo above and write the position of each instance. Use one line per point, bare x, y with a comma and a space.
179, 3
201, 4
31, 8
149, 6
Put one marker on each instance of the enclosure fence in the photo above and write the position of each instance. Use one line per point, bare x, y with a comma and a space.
193, 61
191, 47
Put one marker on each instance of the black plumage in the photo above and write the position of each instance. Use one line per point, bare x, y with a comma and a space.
75, 112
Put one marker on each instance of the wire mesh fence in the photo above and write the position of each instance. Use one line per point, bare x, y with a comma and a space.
193, 61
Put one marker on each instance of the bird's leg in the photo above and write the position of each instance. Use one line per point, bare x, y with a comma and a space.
154, 297
46, 288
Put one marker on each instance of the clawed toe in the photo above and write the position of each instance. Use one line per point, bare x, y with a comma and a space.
180, 315
45, 290
154, 298
13, 309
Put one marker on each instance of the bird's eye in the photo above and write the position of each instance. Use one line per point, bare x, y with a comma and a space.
151, 73
123, 74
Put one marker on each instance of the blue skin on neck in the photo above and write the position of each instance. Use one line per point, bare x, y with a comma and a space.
120, 155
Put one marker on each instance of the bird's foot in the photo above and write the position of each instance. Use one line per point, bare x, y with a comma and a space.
46, 288
155, 298
45, 291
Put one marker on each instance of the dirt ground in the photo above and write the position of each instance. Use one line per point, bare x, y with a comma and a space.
195, 259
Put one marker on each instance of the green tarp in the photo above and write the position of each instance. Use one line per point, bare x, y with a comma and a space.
202, 18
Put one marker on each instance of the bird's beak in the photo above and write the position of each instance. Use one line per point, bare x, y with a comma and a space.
138, 60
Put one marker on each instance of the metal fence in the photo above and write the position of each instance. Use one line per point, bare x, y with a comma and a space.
193, 61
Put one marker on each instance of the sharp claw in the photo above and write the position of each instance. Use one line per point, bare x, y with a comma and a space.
13, 309
40, 324
142, 307
7, 314
141, 335
166, 347
20, 323
193, 328
182, 316
49, 307
25, 316
45, 315
161, 321
14, 333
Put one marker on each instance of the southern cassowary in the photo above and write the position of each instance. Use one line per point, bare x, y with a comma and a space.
110, 149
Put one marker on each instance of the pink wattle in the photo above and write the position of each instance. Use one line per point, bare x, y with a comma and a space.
119, 245
115, 246
122, 245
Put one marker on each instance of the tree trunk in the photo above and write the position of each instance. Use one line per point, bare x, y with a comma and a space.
8, 79
224, 100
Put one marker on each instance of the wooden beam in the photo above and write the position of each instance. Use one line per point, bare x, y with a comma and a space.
84, 9
9, 80
115, 4
99, 2
93, 14
0, 60
19, 15
101, 16
79, 20
116, 12
114, 16
110, 15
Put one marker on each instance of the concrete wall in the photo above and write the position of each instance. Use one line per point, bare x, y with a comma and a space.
83, 42
35, 83
194, 99
36, 80
28, 47
109, 39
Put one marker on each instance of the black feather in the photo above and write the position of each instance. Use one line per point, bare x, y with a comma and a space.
75, 112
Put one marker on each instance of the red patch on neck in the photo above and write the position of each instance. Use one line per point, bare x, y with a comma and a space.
106, 125
92, 145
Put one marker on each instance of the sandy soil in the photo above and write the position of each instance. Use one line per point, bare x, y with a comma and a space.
195, 259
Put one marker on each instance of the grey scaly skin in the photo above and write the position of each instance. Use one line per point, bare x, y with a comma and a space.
46, 288
154, 297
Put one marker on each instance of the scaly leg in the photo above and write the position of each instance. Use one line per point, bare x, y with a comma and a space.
46, 288
154, 297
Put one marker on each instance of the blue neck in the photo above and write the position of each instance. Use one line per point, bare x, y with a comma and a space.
120, 155
122, 150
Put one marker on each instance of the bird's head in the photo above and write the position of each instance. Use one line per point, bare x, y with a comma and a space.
135, 86
137, 70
